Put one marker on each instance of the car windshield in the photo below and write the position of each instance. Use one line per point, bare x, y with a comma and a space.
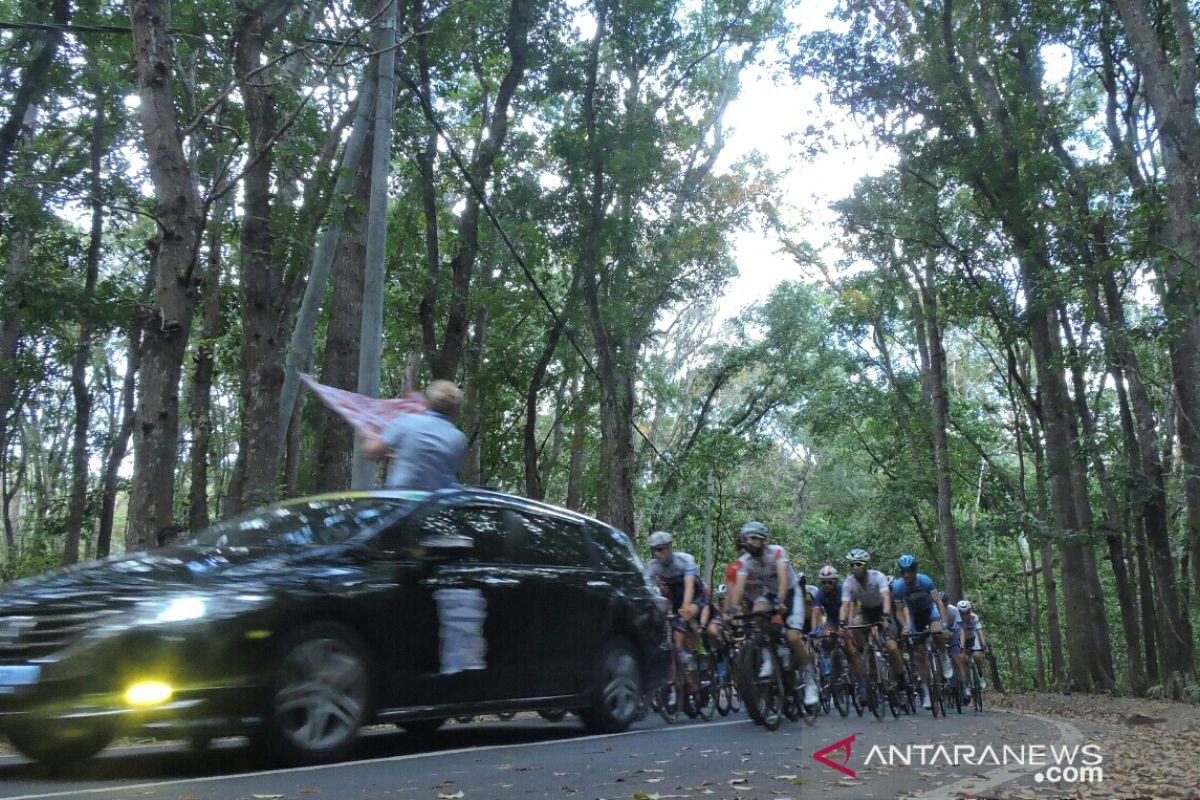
305, 523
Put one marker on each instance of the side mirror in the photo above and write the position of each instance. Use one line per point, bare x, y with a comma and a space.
444, 547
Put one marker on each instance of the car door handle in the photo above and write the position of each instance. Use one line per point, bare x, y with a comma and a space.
599, 585
500, 582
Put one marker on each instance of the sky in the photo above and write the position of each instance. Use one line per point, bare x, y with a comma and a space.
756, 123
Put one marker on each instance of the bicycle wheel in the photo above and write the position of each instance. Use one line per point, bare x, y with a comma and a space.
875, 698
977, 689
763, 693
840, 681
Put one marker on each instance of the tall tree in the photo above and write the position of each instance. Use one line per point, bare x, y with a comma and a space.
177, 212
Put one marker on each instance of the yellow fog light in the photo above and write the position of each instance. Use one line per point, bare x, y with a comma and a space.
148, 693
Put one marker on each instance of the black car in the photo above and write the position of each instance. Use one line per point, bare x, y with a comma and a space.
299, 623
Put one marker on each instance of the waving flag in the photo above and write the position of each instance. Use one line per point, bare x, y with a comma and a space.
367, 414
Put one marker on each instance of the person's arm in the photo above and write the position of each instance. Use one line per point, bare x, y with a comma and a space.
818, 614
902, 616
373, 447
689, 590
945, 615
982, 639
962, 636
781, 575
733, 598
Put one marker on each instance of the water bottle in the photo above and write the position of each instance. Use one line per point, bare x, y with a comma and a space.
785, 655
722, 671
825, 667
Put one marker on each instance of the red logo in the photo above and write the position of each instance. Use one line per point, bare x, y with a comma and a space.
842, 746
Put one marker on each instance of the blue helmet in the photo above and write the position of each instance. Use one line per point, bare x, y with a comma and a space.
907, 562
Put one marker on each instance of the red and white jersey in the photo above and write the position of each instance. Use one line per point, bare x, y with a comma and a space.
762, 574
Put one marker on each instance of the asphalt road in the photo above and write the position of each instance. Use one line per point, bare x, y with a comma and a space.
725, 758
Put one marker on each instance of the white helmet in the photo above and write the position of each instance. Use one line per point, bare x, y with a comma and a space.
658, 539
719, 591
964, 606
858, 554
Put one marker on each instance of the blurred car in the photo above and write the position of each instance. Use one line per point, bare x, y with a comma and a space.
299, 623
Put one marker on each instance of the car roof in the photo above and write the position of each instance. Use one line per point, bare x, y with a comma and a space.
451, 493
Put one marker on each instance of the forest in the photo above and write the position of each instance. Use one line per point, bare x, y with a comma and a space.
997, 368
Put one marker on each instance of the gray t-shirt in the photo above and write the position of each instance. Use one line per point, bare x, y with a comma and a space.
427, 451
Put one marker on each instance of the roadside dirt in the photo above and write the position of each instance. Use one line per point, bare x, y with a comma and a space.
1151, 748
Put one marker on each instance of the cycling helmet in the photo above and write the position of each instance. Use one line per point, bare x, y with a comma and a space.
906, 562
964, 606
719, 591
828, 573
658, 539
858, 554
945, 597
753, 528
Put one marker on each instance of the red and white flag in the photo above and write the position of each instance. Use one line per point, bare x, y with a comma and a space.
368, 415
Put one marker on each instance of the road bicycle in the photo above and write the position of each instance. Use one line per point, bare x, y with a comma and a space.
759, 673
839, 686
882, 694
975, 681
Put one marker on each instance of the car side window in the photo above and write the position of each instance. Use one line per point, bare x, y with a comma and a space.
483, 525
616, 551
547, 541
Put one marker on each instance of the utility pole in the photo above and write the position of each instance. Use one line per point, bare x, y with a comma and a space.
370, 352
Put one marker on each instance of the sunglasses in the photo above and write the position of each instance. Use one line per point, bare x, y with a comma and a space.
858, 563
660, 548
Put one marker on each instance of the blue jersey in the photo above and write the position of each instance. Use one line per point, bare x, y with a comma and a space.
831, 602
917, 595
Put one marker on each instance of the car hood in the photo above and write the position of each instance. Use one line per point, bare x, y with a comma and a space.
184, 568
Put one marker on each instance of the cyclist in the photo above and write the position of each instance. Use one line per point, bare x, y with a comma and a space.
953, 625
867, 600
767, 578
919, 606
677, 578
972, 638
827, 607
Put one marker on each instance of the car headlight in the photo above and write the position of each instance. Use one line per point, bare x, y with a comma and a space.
185, 608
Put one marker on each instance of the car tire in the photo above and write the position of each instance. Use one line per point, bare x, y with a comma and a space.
552, 714
320, 697
617, 690
58, 745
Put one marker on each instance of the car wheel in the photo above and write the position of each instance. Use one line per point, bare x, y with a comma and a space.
58, 745
552, 714
320, 698
617, 691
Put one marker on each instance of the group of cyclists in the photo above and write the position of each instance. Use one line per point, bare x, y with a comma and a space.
862, 612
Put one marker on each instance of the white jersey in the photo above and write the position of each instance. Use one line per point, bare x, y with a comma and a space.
953, 619
869, 595
762, 575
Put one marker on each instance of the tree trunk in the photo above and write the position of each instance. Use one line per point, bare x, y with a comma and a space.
1165, 55
334, 448
370, 347
120, 434
32, 84
200, 412
260, 275
574, 500
156, 430
83, 348
444, 359
299, 350
933, 371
